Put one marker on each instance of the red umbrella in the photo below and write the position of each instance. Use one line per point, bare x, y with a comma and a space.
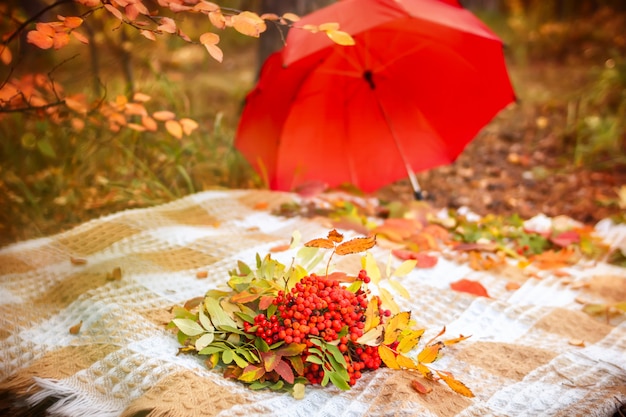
422, 79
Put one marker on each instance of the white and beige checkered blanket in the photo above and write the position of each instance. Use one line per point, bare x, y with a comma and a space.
520, 360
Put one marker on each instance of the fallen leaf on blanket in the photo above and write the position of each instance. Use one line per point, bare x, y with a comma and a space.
75, 329
280, 248
78, 261
261, 205
512, 286
423, 260
298, 391
552, 259
202, 274
469, 286
455, 340
115, 275
456, 385
565, 239
576, 342
419, 387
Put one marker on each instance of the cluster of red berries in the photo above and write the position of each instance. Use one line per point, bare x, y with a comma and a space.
321, 307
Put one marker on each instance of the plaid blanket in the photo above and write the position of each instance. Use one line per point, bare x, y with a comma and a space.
83, 317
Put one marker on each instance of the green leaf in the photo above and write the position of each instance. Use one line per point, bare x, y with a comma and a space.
271, 310
227, 356
204, 341
355, 286
209, 350
338, 381
256, 385
261, 345
231, 329
245, 317
244, 269
188, 327
204, 320
45, 148
218, 316
314, 359
336, 354
241, 362
277, 386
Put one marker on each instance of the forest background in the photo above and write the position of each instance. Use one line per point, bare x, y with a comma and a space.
560, 150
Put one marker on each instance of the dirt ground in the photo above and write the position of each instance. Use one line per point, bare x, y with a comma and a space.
522, 162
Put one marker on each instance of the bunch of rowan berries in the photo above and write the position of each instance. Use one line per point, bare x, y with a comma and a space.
321, 307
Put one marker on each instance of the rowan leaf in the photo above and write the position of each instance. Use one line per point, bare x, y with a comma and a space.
388, 301
244, 297
204, 341
174, 128
218, 316
395, 326
455, 340
251, 373
456, 385
469, 286
323, 243
291, 349
335, 236
406, 363
388, 356
356, 245
405, 268
284, 370
409, 340
339, 381
399, 288
372, 315
188, 327
430, 353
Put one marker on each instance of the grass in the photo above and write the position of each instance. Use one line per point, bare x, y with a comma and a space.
53, 177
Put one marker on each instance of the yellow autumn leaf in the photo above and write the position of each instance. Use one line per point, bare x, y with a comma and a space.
430, 353
373, 337
372, 315
395, 326
388, 357
405, 268
424, 370
174, 128
340, 37
399, 288
371, 267
456, 385
328, 26
291, 16
405, 362
388, 301
248, 23
409, 340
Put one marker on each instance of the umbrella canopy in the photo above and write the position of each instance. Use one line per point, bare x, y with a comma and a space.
422, 79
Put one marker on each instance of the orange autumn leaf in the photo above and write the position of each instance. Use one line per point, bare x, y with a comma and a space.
469, 286
335, 236
419, 387
80, 37
39, 39
60, 40
115, 12
320, 243
189, 125
75, 329
5, 55
163, 115
552, 259
456, 385
249, 23
217, 19
167, 25
148, 34
356, 245
174, 128
280, 248
71, 22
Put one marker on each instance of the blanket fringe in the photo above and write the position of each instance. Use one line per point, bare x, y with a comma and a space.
70, 402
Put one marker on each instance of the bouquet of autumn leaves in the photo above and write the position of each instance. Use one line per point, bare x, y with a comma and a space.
281, 327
